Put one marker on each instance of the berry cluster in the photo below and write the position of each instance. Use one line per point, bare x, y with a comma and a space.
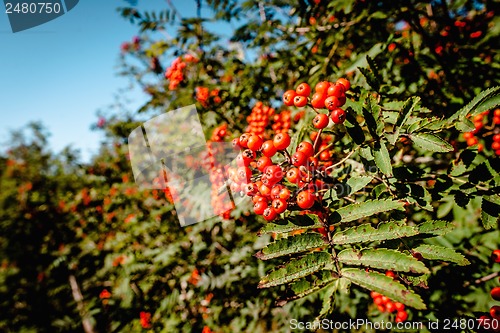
384, 304
259, 118
292, 183
203, 94
489, 133
282, 122
220, 201
175, 73
327, 95
491, 321
135, 45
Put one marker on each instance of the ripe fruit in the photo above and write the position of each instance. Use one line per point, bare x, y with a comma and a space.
303, 89
259, 207
268, 148
338, 115
495, 293
495, 145
263, 162
269, 214
300, 101
345, 83
320, 121
495, 312
495, 256
468, 135
281, 141
306, 148
299, 158
244, 140
318, 100
496, 138
401, 316
305, 199
254, 142
284, 194
331, 103
336, 90
292, 175
322, 87
279, 205
288, 97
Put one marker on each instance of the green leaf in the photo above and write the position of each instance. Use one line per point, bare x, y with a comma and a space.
371, 79
406, 110
292, 223
385, 285
435, 227
490, 211
373, 117
435, 252
353, 129
299, 135
296, 269
382, 158
328, 299
351, 186
357, 211
476, 101
367, 233
291, 245
465, 125
308, 285
430, 142
383, 259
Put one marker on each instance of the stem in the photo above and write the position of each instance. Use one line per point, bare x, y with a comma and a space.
341, 161
483, 279
322, 150
77, 296
317, 139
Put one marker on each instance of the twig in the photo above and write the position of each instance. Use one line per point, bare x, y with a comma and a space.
77, 296
341, 161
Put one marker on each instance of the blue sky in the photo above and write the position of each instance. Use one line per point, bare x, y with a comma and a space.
63, 72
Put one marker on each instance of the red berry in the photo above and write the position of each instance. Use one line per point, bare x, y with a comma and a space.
300, 101
325, 155
472, 141
338, 115
292, 175
496, 137
274, 173
263, 162
318, 100
495, 293
320, 121
299, 158
275, 191
390, 274
389, 307
306, 148
495, 312
268, 148
244, 140
259, 207
248, 156
332, 103
250, 189
336, 90
401, 316
495, 145
284, 194
303, 89
496, 113
281, 141
236, 143
254, 142
495, 256
345, 83
288, 97
265, 190
269, 214
322, 87
496, 120
468, 135
399, 306
244, 174
279, 205
305, 199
